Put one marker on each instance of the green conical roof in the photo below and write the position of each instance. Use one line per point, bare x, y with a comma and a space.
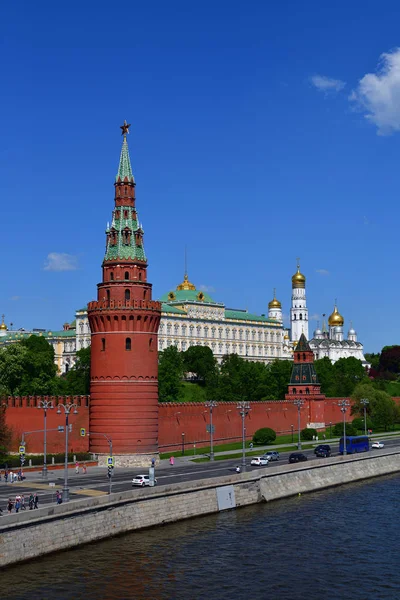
302, 345
124, 169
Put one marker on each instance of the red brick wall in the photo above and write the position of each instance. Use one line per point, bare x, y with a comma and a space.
23, 414
191, 419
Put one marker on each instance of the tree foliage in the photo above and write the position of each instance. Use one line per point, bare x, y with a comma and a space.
264, 436
308, 434
170, 375
339, 379
77, 380
381, 408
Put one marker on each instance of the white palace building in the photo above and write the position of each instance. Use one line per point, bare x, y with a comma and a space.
191, 317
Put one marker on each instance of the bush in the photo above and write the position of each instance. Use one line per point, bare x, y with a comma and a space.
338, 429
358, 424
263, 436
308, 434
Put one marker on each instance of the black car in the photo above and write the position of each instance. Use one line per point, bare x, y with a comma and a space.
323, 451
297, 457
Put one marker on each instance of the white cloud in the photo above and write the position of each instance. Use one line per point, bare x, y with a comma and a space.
327, 84
378, 95
15, 298
322, 271
60, 261
207, 288
365, 220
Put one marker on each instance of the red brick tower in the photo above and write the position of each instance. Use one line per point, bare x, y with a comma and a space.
304, 383
124, 323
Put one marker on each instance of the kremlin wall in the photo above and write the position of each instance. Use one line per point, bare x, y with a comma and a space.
174, 419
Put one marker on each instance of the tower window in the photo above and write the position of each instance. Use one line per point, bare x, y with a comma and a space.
151, 345
301, 317
140, 277
127, 295
128, 344
126, 274
103, 344
112, 276
108, 296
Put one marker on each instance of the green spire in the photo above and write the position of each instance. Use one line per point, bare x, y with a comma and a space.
124, 169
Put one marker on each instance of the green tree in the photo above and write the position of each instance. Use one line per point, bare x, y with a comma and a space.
40, 370
12, 368
170, 375
280, 371
338, 429
373, 359
200, 361
381, 408
77, 380
326, 376
348, 372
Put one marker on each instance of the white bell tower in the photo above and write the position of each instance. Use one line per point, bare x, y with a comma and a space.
298, 311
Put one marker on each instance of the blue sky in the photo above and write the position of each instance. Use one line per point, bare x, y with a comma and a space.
261, 131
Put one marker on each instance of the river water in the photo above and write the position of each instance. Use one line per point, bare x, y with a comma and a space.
341, 543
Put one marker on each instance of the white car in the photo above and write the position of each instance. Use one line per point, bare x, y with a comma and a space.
378, 445
259, 461
142, 480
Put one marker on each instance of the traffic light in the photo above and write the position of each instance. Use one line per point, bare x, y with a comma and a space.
109, 471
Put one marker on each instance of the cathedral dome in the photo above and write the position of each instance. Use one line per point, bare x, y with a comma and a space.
336, 319
298, 279
274, 303
3, 326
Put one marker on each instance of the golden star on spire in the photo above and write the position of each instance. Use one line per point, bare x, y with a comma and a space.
125, 128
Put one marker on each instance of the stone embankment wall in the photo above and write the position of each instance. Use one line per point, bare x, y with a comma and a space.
29, 535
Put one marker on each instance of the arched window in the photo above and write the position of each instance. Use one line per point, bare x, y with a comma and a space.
307, 390
127, 295
294, 317
151, 348
128, 344
294, 391
301, 317
140, 276
126, 274
112, 276
103, 344
108, 296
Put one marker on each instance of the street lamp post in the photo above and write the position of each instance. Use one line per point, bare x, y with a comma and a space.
344, 404
330, 429
211, 404
244, 408
364, 402
299, 403
183, 444
292, 432
67, 409
45, 405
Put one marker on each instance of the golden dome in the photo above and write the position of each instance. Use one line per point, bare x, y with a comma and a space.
336, 319
286, 337
298, 279
274, 302
186, 285
3, 326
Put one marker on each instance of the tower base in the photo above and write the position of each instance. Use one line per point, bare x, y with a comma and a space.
130, 460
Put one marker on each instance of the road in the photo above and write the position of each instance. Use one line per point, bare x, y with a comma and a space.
95, 482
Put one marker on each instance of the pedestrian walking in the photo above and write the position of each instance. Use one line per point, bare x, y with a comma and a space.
171, 461
77, 468
58, 497
9, 505
323, 436
17, 504
11, 475
31, 502
84, 468
23, 507
5, 475
35, 501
